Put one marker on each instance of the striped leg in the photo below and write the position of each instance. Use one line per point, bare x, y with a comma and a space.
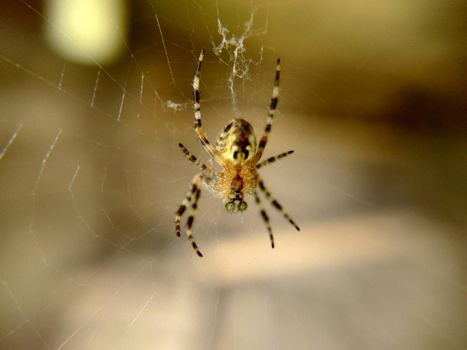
192, 158
190, 200
191, 218
272, 111
276, 204
195, 184
265, 217
273, 159
197, 109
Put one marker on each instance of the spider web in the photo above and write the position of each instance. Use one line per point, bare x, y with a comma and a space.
91, 176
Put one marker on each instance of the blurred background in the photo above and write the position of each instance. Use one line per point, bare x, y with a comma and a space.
96, 95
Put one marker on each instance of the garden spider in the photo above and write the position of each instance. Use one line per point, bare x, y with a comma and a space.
236, 152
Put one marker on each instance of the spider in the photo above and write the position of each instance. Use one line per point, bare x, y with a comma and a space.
239, 156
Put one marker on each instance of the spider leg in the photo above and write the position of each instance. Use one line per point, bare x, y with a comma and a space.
185, 203
272, 111
273, 159
190, 200
192, 158
276, 204
265, 217
197, 109
191, 218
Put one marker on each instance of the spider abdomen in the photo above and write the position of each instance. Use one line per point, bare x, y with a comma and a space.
237, 142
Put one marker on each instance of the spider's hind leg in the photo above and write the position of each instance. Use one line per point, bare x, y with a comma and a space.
272, 110
197, 110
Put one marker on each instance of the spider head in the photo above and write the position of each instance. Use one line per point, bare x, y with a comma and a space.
236, 205
234, 202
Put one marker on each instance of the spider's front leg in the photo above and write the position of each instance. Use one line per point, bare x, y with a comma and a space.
265, 217
191, 201
275, 203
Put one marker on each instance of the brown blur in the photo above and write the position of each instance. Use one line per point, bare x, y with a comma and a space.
373, 101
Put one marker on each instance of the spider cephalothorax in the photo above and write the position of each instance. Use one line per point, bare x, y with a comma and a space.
237, 153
